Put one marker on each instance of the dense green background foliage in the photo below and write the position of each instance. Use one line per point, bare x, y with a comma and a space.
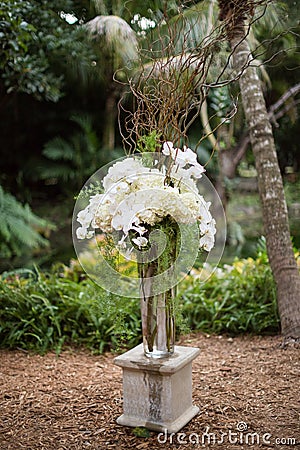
50, 71
242, 300
38, 45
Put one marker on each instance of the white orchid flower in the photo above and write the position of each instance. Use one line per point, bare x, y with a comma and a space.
137, 197
81, 233
196, 171
140, 241
122, 169
204, 215
208, 228
168, 148
139, 229
207, 242
84, 217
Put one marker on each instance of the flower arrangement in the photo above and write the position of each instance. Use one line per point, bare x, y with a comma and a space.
147, 203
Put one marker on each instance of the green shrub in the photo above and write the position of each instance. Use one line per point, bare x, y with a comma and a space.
44, 311
236, 299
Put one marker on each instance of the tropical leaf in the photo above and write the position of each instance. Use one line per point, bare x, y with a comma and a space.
25, 235
60, 170
89, 135
19, 227
74, 159
58, 149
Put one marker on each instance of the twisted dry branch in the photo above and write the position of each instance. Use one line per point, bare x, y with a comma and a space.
175, 76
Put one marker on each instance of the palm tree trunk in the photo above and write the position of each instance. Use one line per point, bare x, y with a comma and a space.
110, 121
111, 114
274, 208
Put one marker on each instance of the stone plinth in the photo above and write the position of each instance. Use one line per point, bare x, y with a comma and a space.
157, 393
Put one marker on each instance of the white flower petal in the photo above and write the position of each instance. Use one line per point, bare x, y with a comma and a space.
85, 217
196, 171
140, 241
167, 148
189, 155
207, 242
81, 233
204, 214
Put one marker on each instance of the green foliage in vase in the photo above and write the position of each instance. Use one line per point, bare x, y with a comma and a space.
158, 308
20, 229
149, 143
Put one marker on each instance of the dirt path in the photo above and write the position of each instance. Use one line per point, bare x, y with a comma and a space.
72, 402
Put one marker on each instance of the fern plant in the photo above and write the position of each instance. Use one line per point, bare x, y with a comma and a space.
20, 228
73, 161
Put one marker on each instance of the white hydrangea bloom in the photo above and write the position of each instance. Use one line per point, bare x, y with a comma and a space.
122, 169
152, 179
191, 203
103, 217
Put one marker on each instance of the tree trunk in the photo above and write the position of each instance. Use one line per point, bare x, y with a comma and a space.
110, 120
233, 155
274, 209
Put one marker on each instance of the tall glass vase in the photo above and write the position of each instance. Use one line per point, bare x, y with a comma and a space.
157, 304
158, 324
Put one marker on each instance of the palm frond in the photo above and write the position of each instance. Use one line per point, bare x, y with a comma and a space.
24, 235
20, 228
185, 31
58, 149
89, 136
59, 170
116, 37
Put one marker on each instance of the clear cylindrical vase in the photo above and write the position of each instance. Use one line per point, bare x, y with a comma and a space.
158, 324
157, 298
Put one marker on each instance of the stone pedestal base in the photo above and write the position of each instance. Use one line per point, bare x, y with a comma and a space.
157, 394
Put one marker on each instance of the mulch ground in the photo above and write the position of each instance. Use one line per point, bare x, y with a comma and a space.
72, 401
